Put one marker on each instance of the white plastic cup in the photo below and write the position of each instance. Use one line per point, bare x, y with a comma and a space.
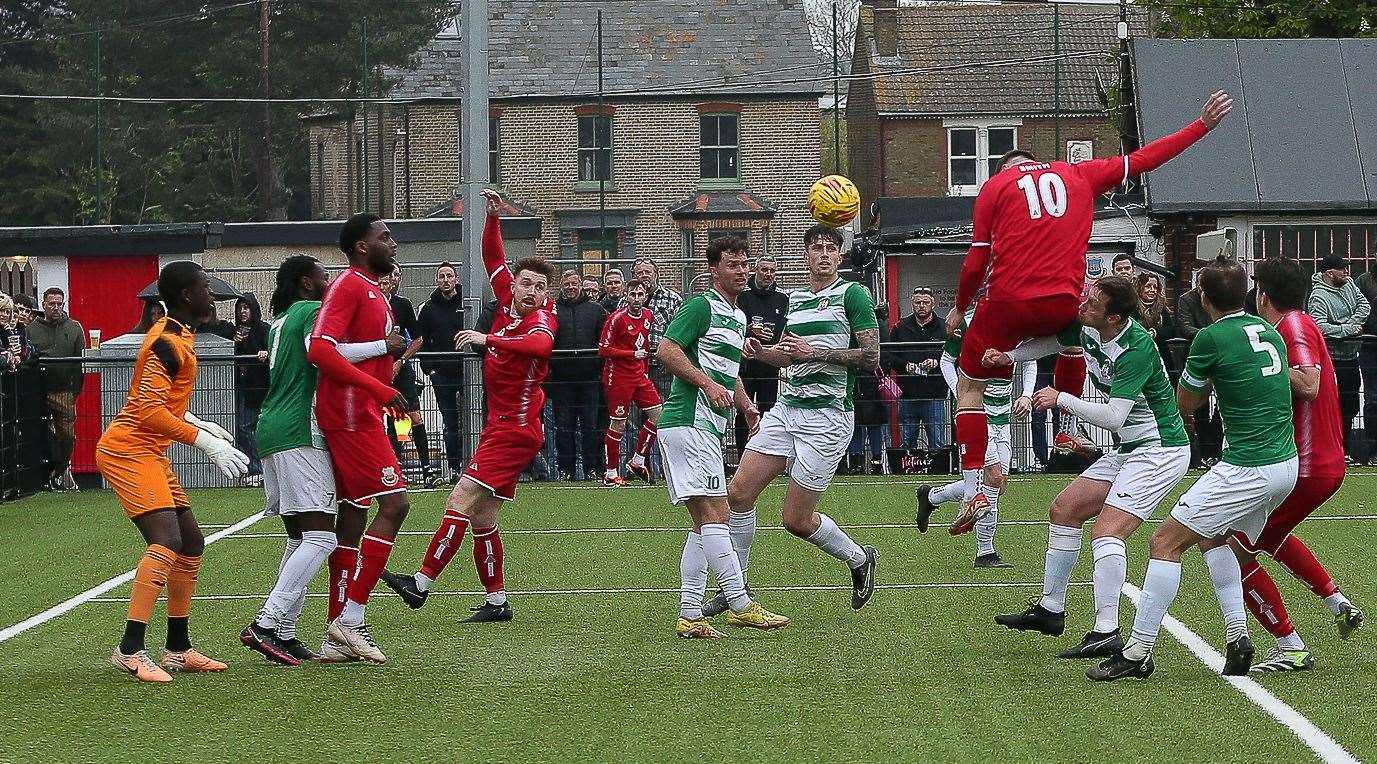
95, 339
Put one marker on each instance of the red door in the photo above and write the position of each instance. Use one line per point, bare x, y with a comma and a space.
101, 295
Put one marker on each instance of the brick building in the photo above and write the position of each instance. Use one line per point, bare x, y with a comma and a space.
684, 149
941, 91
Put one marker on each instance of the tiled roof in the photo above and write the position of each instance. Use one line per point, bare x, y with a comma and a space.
714, 203
966, 33
548, 48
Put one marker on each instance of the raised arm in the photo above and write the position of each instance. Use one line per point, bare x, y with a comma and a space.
495, 255
1105, 174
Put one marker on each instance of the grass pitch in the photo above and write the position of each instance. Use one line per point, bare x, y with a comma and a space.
590, 668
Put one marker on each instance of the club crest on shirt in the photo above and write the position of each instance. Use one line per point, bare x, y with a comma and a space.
389, 476
822, 304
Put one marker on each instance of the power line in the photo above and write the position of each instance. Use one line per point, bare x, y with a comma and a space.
201, 15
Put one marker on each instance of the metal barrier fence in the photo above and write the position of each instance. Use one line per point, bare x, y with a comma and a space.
889, 435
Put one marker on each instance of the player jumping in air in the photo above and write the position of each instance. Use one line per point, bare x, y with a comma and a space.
1122, 488
702, 350
1244, 359
1032, 225
1000, 405
1281, 287
830, 331
625, 380
350, 398
132, 457
515, 364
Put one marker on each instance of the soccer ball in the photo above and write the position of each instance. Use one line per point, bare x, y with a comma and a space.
834, 201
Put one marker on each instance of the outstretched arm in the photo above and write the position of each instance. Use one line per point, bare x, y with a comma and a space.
494, 253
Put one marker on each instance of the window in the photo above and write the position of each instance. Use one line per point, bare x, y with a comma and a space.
594, 246
973, 153
686, 243
1310, 243
718, 135
595, 147
494, 154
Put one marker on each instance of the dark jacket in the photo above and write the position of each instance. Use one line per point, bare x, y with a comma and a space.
28, 354
217, 327
610, 303
925, 385
769, 307
251, 377
405, 316
1191, 315
871, 410
440, 319
63, 339
1367, 284
580, 328
1167, 334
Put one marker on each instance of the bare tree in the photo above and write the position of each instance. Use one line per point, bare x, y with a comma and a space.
819, 14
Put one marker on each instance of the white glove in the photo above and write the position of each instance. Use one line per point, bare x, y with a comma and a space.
230, 460
208, 427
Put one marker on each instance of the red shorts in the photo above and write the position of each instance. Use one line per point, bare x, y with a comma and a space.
365, 465
1309, 494
621, 394
505, 450
1003, 325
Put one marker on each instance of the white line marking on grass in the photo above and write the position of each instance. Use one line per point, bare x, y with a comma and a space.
1314, 738
656, 529
652, 590
91, 595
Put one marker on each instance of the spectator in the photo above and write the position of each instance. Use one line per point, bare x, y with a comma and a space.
1190, 319
1122, 265
920, 381
614, 288
14, 337
404, 377
663, 304
152, 311
574, 383
765, 307
592, 292
1367, 364
441, 318
25, 309
56, 335
250, 380
215, 325
1340, 309
1157, 319
872, 415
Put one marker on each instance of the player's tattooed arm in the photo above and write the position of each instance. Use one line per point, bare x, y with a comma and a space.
866, 356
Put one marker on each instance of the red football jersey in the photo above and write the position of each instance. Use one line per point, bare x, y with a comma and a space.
1031, 223
355, 309
1319, 423
513, 379
624, 334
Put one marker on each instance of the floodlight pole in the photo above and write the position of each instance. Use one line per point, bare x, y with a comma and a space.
474, 177
836, 98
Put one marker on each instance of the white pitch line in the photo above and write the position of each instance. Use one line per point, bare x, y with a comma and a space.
94, 592
655, 529
654, 590
1317, 740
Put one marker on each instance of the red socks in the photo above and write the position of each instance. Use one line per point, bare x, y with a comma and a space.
487, 558
443, 545
1264, 601
373, 553
644, 438
1300, 562
1068, 376
973, 434
612, 447
343, 563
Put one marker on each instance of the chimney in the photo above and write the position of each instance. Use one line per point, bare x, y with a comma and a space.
885, 33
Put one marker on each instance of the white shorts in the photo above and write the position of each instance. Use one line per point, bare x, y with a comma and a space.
1139, 480
299, 480
1232, 498
999, 449
693, 463
813, 440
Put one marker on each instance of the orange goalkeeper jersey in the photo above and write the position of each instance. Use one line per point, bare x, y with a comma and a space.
164, 378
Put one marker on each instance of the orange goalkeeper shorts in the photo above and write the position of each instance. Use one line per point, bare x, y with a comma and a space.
143, 483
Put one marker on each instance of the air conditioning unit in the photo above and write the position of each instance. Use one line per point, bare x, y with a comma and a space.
1209, 246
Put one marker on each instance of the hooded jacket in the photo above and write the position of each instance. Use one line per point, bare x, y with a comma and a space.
251, 377
64, 338
580, 328
1340, 312
440, 319
769, 307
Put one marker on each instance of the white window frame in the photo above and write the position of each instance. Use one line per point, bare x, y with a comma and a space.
982, 157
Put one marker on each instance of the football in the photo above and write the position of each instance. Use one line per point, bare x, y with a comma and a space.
834, 201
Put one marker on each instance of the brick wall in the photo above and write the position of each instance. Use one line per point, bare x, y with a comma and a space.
655, 165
